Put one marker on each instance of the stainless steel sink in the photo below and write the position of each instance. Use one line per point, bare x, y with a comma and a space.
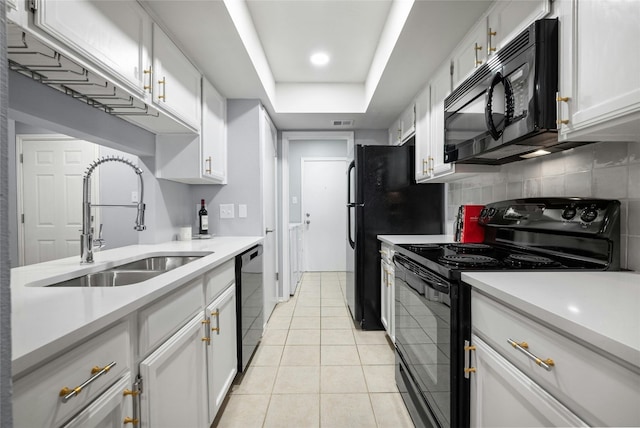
109, 278
164, 263
130, 273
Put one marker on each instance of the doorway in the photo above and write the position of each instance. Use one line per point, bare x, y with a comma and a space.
324, 222
291, 202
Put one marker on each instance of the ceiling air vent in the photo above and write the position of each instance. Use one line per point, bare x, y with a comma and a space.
347, 122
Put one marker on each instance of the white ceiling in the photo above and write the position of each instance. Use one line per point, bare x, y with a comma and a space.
382, 52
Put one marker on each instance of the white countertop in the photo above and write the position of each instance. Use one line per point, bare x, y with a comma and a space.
601, 309
46, 320
415, 239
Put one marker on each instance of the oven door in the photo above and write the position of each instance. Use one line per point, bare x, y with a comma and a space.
423, 336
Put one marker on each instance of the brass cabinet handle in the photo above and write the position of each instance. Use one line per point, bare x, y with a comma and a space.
67, 393
207, 170
216, 314
432, 164
131, 421
206, 339
489, 47
163, 82
127, 392
148, 87
476, 49
523, 346
468, 348
559, 100
425, 171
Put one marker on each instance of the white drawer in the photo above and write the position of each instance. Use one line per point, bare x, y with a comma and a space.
36, 396
217, 280
594, 387
161, 319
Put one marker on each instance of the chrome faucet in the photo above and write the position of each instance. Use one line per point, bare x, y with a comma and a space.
87, 243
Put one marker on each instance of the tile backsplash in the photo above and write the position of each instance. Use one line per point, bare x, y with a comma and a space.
602, 170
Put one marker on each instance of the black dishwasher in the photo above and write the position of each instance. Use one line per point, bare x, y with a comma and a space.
249, 303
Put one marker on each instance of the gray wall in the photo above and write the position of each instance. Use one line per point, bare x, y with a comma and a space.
307, 149
371, 137
244, 177
605, 170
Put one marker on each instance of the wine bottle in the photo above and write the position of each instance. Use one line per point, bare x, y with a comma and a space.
203, 216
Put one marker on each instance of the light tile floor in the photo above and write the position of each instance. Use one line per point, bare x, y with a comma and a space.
313, 368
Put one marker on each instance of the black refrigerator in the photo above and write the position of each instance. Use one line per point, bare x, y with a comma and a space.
383, 199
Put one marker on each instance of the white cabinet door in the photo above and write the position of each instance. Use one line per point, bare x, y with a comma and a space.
116, 36
423, 135
214, 138
111, 409
440, 88
222, 354
385, 313
501, 395
599, 75
176, 82
175, 381
471, 53
408, 122
395, 133
508, 18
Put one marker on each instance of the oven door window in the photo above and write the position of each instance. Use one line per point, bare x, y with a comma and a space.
423, 337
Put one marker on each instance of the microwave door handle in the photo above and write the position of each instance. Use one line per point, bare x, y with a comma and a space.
488, 109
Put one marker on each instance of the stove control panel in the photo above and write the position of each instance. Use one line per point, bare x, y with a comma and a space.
566, 215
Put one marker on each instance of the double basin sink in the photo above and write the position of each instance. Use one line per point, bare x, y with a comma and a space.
130, 273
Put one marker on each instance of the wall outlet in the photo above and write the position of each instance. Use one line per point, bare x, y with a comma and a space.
242, 211
294, 200
227, 211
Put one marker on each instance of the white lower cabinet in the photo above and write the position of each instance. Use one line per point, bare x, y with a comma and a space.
222, 361
174, 392
114, 408
501, 395
387, 291
38, 397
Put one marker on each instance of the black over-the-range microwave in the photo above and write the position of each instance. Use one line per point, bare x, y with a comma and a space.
506, 110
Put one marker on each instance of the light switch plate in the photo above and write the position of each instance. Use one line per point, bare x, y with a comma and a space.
294, 199
227, 211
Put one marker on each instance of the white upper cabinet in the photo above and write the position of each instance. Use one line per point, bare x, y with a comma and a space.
404, 127
423, 137
176, 82
214, 135
471, 53
507, 19
115, 36
599, 88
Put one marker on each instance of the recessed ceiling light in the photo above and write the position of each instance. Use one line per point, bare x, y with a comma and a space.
319, 59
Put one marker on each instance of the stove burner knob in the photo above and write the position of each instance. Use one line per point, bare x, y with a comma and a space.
483, 213
569, 213
588, 215
492, 212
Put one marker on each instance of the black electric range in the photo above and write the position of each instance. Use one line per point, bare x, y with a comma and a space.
433, 305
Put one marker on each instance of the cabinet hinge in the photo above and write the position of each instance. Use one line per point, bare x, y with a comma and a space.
451, 68
137, 385
33, 5
21, 158
277, 276
22, 218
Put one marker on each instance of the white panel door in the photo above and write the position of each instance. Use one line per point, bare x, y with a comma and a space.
222, 350
324, 192
269, 258
175, 381
52, 171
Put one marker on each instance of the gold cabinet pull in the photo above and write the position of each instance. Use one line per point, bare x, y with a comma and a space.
562, 121
563, 99
216, 314
127, 392
468, 370
208, 170
206, 339
67, 393
560, 99
163, 82
425, 170
476, 49
546, 364
131, 421
489, 47
148, 87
